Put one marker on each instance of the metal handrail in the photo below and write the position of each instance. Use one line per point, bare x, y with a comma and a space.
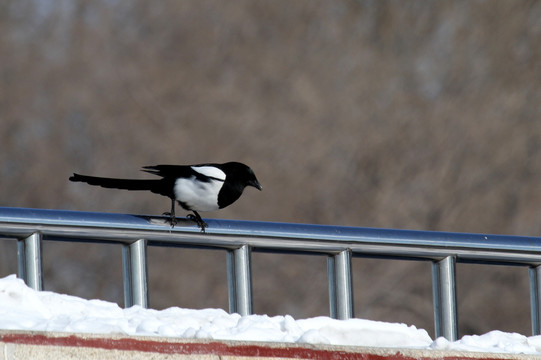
239, 238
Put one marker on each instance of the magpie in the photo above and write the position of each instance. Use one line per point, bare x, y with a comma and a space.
202, 187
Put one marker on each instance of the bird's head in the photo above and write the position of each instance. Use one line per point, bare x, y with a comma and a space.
242, 174
253, 181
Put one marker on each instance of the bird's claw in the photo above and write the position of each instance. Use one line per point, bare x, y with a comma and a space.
202, 224
171, 218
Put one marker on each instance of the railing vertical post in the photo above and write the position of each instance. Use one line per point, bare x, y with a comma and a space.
444, 291
134, 265
29, 261
535, 298
340, 285
239, 280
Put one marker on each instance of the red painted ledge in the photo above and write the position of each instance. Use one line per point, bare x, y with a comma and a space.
173, 346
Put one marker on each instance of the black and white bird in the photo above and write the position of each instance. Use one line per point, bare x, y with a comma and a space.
203, 187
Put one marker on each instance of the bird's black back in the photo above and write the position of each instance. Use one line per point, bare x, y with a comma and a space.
177, 171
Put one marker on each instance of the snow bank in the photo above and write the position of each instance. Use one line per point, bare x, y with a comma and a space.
22, 308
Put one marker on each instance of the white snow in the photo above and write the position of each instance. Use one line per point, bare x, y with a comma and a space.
22, 308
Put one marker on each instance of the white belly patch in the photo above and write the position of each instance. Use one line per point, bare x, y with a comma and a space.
199, 195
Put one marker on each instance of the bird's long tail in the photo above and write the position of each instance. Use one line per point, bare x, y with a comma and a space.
111, 183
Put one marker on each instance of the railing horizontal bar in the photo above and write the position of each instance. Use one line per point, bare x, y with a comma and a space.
230, 234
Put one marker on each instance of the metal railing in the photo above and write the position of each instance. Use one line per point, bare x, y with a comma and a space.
239, 238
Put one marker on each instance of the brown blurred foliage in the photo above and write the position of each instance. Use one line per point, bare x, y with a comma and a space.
419, 115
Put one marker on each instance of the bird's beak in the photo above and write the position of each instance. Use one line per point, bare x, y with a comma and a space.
256, 184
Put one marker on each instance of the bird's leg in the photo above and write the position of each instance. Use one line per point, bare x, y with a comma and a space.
197, 218
172, 218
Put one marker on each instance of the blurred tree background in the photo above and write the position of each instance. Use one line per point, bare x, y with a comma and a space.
411, 115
